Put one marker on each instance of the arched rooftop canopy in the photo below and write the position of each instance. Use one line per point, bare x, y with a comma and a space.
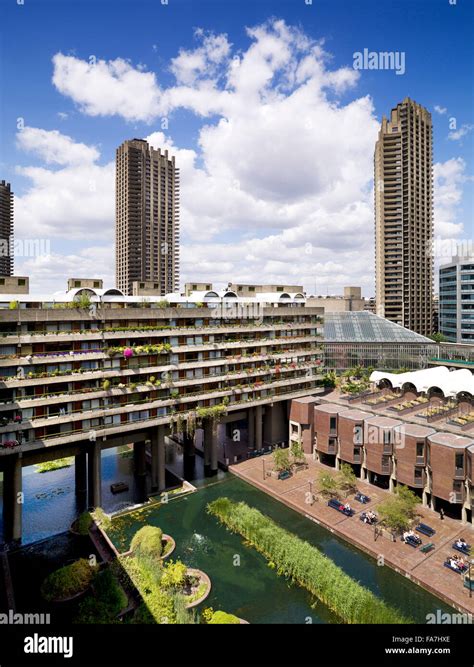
451, 383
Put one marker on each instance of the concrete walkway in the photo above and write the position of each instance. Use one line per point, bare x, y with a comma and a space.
426, 570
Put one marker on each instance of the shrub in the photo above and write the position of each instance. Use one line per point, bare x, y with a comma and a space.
106, 385
207, 614
69, 580
83, 523
102, 518
222, 617
148, 542
109, 592
302, 563
158, 604
174, 575
57, 464
105, 603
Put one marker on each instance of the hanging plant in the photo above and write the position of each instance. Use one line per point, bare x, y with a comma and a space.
180, 424
191, 424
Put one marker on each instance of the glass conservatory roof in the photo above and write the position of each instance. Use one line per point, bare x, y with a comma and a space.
366, 327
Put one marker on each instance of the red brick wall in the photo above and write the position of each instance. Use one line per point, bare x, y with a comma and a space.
346, 438
442, 460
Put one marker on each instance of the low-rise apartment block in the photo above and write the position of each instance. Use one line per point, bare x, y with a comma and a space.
419, 433
92, 369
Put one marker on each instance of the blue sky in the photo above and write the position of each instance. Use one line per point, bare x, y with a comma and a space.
435, 35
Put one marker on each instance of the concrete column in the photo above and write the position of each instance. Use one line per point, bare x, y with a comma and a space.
214, 449
12, 499
391, 484
139, 458
464, 514
424, 499
337, 463
363, 473
258, 427
188, 445
207, 444
189, 456
433, 503
158, 471
80, 473
251, 427
94, 465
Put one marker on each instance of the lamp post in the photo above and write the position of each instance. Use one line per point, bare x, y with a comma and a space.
471, 562
263, 467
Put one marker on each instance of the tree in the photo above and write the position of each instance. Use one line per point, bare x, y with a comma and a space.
329, 380
297, 452
281, 459
327, 484
393, 515
438, 337
83, 300
397, 511
347, 477
408, 500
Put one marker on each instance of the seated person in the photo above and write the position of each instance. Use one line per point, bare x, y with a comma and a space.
453, 563
406, 535
347, 507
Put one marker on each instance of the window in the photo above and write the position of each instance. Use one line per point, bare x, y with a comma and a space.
96, 284
77, 283
2, 281
460, 461
332, 423
420, 450
387, 437
251, 288
358, 433
21, 282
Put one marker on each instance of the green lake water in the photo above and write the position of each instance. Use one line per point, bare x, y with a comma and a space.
242, 582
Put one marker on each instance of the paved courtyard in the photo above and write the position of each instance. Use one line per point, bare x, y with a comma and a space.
427, 570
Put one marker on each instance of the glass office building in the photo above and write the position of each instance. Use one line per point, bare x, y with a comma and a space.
456, 300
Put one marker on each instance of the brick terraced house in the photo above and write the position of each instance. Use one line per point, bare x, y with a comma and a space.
415, 429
